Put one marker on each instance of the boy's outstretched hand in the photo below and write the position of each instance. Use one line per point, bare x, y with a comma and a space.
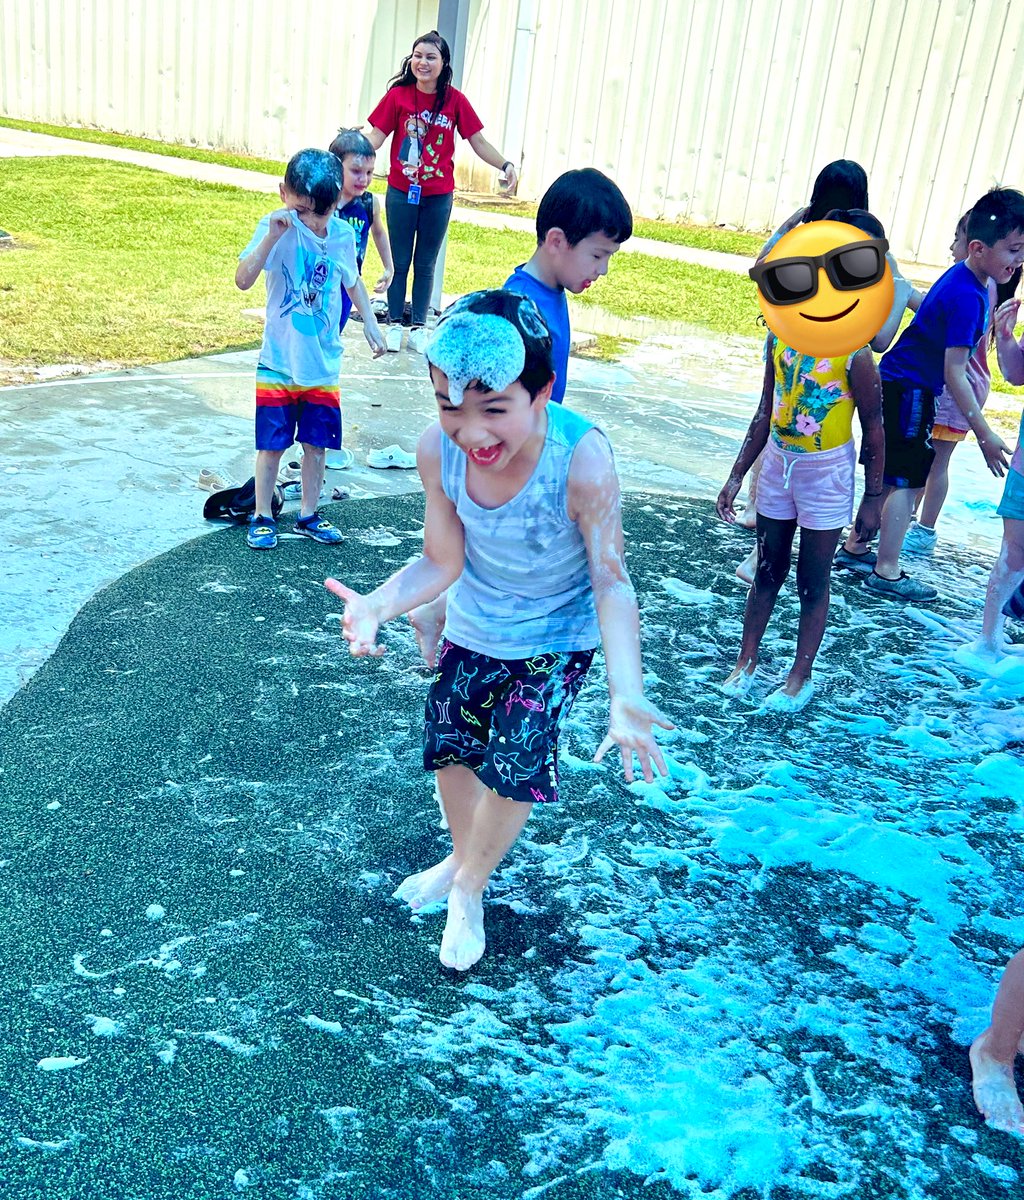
360, 623
629, 727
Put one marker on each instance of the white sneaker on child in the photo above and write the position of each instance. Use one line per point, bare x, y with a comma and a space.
920, 540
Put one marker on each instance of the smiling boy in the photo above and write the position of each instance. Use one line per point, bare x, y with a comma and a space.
523, 518
933, 352
582, 219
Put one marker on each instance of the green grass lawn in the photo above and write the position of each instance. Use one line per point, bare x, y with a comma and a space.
679, 233
135, 266
119, 263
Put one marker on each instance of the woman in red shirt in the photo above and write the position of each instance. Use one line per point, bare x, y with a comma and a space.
423, 111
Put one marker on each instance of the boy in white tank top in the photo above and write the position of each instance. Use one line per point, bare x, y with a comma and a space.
523, 517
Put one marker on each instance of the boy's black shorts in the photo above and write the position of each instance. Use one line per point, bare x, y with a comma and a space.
501, 717
908, 414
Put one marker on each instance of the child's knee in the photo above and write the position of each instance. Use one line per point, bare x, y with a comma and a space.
771, 573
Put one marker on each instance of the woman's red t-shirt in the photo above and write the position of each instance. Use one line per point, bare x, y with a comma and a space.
423, 147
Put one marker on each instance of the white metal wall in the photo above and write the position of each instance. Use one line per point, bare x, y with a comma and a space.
717, 111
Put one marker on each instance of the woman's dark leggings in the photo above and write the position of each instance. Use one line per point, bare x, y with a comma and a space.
423, 224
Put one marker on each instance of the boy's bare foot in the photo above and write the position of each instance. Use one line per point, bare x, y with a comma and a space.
739, 679
428, 621
748, 567
429, 886
995, 1092
463, 942
747, 518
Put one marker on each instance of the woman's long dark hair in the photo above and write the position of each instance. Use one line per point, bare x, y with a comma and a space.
444, 80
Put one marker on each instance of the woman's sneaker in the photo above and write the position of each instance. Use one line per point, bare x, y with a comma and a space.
262, 533
393, 338
904, 588
318, 529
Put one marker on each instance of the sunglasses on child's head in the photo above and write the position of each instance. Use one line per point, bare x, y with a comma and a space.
849, 268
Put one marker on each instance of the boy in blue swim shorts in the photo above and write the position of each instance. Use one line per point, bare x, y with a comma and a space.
523, 523
309, 257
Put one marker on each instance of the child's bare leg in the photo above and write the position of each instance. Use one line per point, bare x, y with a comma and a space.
461, 793
774, 553
313, 461
267, 464
993, 1053
428, 622
497, 822
937, 487
747, 567
748, 517
813, 572
1002, 583
899, 508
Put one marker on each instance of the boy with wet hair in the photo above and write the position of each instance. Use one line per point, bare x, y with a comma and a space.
309, 258
932, 353
523, 518
582, 219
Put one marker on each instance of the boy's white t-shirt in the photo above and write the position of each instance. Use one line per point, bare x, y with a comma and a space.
305, 275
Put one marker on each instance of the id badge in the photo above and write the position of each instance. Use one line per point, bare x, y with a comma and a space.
414, 193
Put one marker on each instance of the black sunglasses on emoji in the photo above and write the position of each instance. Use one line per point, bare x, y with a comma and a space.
848, 268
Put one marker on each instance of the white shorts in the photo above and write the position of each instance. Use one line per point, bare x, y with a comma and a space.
814, 489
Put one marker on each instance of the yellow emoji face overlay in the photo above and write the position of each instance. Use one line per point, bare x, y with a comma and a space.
825, 288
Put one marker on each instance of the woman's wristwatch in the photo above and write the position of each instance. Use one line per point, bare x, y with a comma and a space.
505, 166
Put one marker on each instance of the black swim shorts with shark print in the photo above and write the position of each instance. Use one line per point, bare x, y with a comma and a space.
501, 717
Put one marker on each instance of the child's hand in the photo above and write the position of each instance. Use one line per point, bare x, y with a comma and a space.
727, 499
996, 452
383, 283
1005, 319
629, 727
280, 222
360, 623
869, 518
375, 339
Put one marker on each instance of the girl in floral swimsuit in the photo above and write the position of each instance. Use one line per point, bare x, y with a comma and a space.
804, 423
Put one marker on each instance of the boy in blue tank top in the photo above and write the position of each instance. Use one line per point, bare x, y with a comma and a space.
523, 518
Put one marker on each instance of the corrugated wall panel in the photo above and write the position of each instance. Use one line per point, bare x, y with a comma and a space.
712, 110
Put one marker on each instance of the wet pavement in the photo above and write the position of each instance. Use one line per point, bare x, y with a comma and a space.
101, 469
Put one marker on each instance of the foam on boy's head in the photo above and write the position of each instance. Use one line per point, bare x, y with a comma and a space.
477, 349
490, 340
316, 174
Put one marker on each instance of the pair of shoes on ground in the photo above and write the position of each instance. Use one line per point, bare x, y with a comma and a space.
262, 533
903, 588
417, 341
